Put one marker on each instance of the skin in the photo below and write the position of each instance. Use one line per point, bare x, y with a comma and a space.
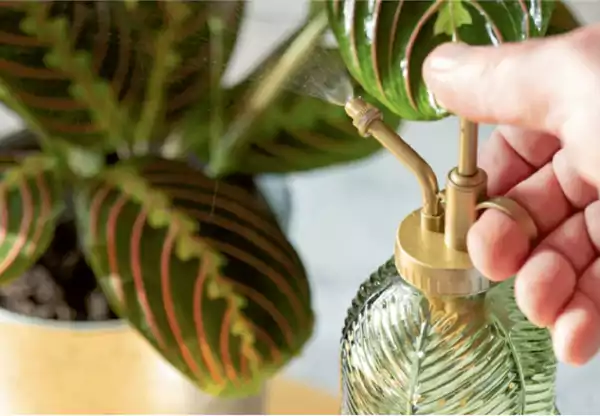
545, 97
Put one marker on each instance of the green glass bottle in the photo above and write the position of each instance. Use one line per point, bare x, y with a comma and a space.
428, 334
402, 353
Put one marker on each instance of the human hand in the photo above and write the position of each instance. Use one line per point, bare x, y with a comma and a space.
545, 96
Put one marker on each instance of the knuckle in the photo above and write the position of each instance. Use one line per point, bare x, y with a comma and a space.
574, 77
584, 38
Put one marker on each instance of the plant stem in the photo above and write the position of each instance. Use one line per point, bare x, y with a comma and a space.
216, 75
154, 100
264, 94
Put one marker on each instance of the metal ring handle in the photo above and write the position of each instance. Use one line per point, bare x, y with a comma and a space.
514, 211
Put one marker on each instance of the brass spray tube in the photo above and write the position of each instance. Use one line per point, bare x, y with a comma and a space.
431, 250
369, 122
466, 187
467, 152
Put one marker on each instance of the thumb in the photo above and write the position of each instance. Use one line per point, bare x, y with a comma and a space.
531, 84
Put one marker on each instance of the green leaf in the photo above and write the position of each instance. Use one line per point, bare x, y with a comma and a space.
204, 117
563, 20
85, 71
384, 43
190, 82
214, 286
451, 16
55, 77
31, 200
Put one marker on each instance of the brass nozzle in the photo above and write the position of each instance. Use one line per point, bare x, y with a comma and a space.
369, 122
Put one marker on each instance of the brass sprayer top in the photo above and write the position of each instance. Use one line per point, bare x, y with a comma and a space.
431, 250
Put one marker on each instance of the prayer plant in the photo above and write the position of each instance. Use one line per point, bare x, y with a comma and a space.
190, 253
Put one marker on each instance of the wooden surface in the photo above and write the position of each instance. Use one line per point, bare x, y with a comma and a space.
286, 397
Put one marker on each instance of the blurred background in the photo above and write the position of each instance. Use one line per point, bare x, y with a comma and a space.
344, 218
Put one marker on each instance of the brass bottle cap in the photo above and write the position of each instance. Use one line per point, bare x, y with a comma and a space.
425, 261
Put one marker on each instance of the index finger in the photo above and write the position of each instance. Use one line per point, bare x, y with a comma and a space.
532, 84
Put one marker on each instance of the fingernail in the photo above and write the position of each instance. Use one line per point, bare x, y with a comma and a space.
438, 104
446, 57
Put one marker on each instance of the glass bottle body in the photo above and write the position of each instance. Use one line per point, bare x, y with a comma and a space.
402, 353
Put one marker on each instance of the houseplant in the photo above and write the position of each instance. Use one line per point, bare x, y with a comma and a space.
115, 127
141, 173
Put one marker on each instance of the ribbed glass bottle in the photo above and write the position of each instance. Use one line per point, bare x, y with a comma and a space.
404, 354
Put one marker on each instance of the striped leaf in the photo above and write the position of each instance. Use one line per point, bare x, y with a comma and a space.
200, 268
384, 43
31, 200
84, 71
201, 52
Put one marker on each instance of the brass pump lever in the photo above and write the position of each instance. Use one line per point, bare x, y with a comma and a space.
431, 250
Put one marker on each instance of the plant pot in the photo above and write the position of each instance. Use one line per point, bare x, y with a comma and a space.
49, 366
64, 367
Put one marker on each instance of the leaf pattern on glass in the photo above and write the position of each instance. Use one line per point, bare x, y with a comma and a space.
384, 43
404, 353
530, 344
201, 268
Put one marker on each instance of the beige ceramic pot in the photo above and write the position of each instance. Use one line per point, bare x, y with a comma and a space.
64, 367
